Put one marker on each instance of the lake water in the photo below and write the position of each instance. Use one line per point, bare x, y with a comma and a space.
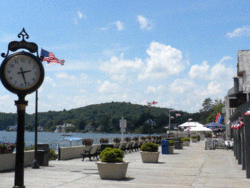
53, 138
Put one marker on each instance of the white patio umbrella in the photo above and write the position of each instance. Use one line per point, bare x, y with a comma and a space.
191, 124
200, 128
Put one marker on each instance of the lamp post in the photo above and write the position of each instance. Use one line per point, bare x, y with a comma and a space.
123, 125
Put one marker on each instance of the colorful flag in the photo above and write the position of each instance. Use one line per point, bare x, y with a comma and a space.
171, 109
149, 103
177, 115
50, 57
190, 119
155, 102
219, 118
171, 117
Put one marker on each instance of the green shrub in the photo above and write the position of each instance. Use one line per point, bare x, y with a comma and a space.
194, 136
30, 148
112, 155
149, 147
52, 154
185, 139
171, 143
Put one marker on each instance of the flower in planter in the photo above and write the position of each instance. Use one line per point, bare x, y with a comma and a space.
127, 139
11, 147
117, 140
104, 140
148, 137
143, 138
3, 148
135, 138
87, 142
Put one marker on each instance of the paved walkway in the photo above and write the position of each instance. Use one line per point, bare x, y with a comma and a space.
191, 167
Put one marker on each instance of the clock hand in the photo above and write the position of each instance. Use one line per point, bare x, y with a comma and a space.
22, 72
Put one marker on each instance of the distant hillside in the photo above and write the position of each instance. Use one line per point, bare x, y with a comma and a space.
106, 114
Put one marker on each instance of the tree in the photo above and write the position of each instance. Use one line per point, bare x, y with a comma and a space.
207, 105
105, 122
206, 110
81, 124
217, 108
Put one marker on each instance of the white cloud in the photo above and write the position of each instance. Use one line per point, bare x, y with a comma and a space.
198, 71
7, 104
119, 25
239, 32
213, 88
108, 87
154, 90
79, 14
181, 86
163, 61
119, 64
144, 23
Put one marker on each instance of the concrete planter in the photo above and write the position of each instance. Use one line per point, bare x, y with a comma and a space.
7, 161
194, 139
112, 171
186, 143
170, 149
149, 157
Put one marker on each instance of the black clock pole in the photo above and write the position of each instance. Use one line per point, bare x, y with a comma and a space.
19, 168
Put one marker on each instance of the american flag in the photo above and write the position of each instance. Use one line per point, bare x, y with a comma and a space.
50, 57
177, 115
151, 103
190, 119
171, 109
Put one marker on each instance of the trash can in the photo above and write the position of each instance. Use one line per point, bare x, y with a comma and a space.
164, 146
178, 144
199, 138
43, 154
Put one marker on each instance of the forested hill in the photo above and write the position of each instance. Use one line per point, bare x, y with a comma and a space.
105, 114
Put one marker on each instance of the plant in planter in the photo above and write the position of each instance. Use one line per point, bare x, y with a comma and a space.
112, 166
11, 147
170, 146
186, 141
208, 135
135, 139
87, 142
104, 140
148, 138
127, 139
143, 138
194, 138
149, 153
3, 148
117, 140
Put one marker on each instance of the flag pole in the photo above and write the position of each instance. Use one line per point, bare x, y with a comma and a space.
169, 121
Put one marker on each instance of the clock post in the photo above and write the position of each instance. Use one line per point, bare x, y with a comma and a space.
21, 73
19, 167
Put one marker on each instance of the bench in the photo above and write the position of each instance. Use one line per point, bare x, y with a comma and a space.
93, 151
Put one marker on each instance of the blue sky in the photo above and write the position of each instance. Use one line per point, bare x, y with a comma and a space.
175, 52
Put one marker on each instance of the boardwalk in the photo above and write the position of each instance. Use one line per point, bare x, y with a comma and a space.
191, 167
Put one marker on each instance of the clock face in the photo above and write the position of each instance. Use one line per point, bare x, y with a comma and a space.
22, 72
